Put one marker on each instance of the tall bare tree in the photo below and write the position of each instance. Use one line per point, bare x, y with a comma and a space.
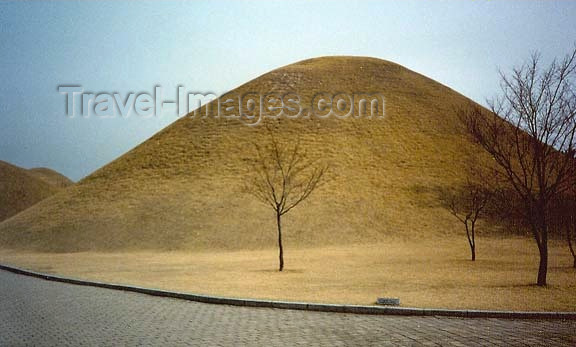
530, 134
467, 204
571, 225
283, 178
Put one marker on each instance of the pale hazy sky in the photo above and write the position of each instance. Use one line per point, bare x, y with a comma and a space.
215, 46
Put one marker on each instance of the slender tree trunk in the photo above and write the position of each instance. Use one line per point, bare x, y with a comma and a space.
543, 249
543, 268
540, 231
473, 244
471, 240
280, 248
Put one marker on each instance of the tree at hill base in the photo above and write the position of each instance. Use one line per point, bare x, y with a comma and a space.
563, 219
530, 134
283, 177
467, 204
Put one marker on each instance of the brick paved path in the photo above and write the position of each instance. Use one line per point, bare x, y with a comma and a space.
35, 312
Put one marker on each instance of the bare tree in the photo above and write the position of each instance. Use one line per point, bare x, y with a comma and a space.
571, 237
568, 224
571, 223
564, 219
467, 204
530, 134
283, 178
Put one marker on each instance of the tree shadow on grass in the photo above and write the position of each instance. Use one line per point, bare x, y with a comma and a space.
523, 286
568, 268
482, 262
289, 271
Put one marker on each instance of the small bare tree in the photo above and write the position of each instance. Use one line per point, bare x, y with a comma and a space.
568, 223
530, 134
283, 178
467, 204
564, 220
571, 237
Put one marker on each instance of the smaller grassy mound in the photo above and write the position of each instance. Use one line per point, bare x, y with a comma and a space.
51, 177
21, 188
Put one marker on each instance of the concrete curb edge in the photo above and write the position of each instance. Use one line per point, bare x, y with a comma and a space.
357, 309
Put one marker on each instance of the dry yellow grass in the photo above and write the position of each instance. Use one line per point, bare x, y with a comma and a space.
431, 273
181, 189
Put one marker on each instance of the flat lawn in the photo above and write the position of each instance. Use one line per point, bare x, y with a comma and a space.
429, 273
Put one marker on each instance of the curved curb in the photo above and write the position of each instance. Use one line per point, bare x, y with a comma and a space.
357, 309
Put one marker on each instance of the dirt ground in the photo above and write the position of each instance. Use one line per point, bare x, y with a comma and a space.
431, 273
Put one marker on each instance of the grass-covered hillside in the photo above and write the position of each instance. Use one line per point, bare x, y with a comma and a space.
183, 188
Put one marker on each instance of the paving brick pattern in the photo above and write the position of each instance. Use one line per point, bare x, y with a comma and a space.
35, 312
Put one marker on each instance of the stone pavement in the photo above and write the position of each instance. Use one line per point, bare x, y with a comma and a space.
35, 312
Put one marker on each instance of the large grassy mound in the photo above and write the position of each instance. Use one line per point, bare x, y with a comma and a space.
21, 188
182, 188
